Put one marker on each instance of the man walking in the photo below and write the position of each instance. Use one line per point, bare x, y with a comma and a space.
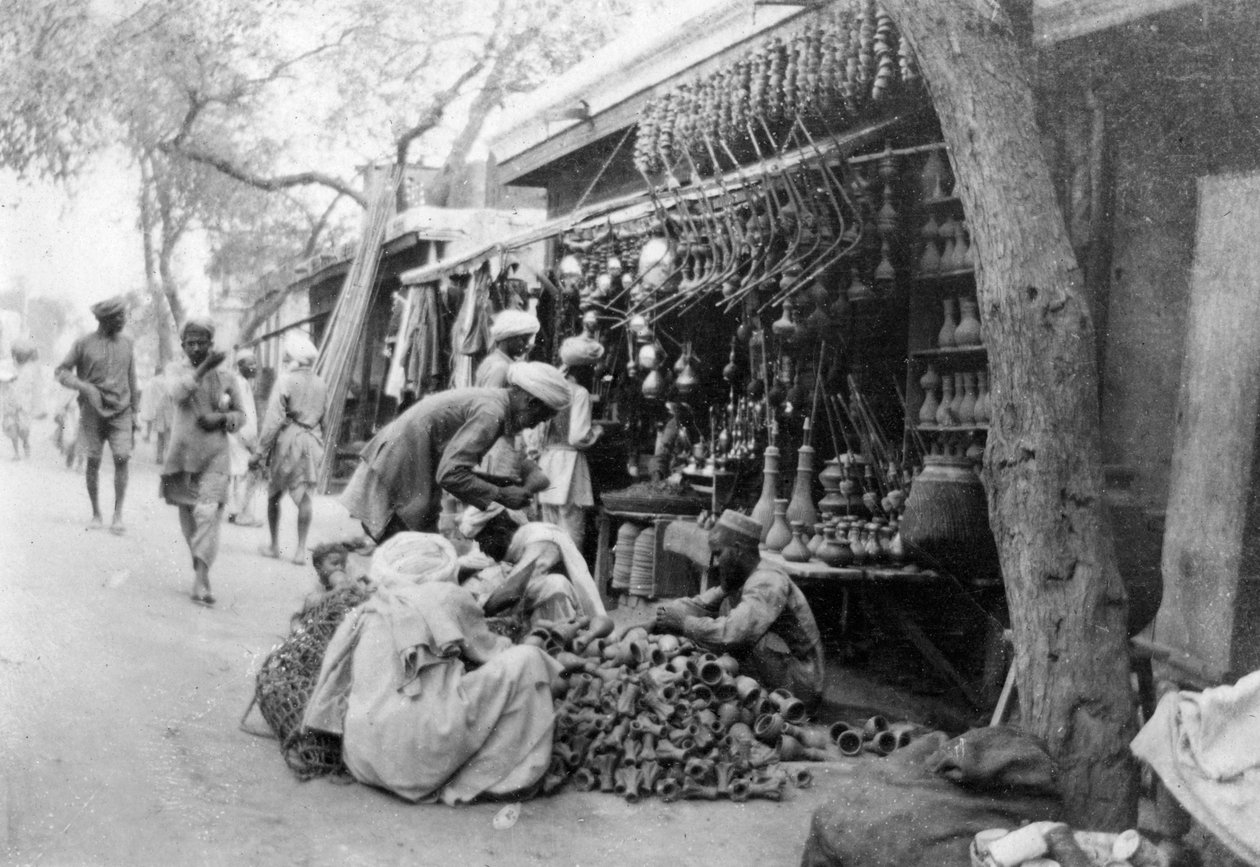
292, 442
208, 407
101, 368
242, 447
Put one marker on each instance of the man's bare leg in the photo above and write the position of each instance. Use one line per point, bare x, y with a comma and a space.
273, 526
122, 473
303, 527
93, 476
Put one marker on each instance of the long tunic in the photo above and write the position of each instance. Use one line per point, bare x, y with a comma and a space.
433, 446
562, 460
769, 628
107, 363
492, 372
193, 450
292, 431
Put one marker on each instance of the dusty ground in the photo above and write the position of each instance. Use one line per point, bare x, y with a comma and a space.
120, 704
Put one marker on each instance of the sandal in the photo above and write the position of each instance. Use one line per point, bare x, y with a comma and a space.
206, 600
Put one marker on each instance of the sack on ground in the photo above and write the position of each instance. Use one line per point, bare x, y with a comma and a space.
922, 806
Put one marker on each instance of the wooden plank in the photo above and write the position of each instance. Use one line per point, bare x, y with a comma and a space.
1216, 425
888, 611
1057, 20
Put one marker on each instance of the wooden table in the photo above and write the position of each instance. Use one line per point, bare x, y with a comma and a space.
880, 606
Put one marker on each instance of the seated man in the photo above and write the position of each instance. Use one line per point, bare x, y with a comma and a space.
428, 703
543, 577
768, 626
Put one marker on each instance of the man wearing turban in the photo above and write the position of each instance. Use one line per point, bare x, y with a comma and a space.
757, 614
101, 368
437, 444
565, 441
512, 333
195, 472
292, 441
242, 446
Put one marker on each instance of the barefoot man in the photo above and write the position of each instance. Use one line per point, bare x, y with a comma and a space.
208, 407
292, 441
101, 368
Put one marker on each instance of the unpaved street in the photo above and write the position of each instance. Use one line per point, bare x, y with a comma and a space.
120, 704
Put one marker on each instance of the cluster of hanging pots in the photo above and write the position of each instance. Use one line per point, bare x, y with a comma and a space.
640, 714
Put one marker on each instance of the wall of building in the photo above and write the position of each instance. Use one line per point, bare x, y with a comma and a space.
1181, 94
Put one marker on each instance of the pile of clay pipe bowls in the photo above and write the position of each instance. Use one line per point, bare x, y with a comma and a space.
640, 714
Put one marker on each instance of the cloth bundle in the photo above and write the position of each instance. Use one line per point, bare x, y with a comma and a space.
1203, 746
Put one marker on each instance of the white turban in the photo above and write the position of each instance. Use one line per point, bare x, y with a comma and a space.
580, 351
473, 520
542, 381
414, 558
299, 347
513, 323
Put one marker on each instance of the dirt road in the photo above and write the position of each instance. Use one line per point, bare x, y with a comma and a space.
120, 702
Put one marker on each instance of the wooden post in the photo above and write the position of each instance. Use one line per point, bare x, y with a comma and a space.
1216, 424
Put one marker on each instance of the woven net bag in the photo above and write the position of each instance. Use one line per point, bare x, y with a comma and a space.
287, 677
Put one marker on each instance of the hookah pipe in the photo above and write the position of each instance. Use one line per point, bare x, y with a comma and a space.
834, 254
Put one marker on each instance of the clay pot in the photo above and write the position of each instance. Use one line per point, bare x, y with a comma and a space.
780, 534
967, 332
846, 738
565, 632
946, 518
883, 744
710, 672
768, 728
796, 551
791, 707
724, 689
833, 551
747, 690
873, 726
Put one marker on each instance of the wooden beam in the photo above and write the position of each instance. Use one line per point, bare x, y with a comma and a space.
1210, 480
1057, 20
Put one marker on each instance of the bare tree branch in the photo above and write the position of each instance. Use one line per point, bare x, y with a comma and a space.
318, 228
261, 182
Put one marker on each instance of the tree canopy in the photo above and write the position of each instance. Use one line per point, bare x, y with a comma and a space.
221, 101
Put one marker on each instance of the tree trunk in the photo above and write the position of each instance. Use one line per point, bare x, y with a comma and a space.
1043, 467
163, 324
171, 230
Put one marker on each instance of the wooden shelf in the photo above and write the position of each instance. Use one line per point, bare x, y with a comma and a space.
950, 352
881, 574
943, 276
955, 428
